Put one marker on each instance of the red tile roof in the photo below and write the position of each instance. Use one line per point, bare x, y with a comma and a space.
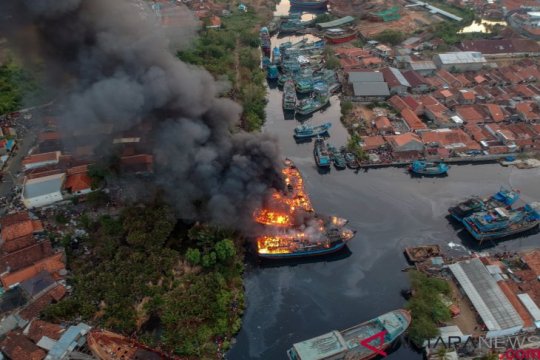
412, 103
383, 123
78, 182
48, 136
37, 306
13, 218
402, 139
27, 256
51, 264
450, 138
18, 243
18, 347
470, 114
412, 120
414, 78
496, 112
40, 328
502, 46
77, 169
397, 102
20, 229
372, 142
38, 158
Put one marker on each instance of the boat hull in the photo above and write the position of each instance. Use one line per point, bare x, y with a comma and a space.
308, 4
498, 235
309, 253
340, 40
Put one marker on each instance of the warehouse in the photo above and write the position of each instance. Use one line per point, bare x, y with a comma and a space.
460, 61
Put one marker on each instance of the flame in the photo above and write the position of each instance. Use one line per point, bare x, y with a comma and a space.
269, 217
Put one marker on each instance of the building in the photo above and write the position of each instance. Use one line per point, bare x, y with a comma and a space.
16, 346
460, 61
372, 142
494, 308
368, 86
407, 142
71, 340
450, 139
413, 121
502, 47
43, 191
395, 80
422, 67
416, 81
40, 160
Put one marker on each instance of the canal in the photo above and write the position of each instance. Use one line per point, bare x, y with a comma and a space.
291, 302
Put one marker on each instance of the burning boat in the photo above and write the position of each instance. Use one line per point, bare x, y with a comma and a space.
292, 229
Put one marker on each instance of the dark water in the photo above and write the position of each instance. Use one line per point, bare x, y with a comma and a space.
390, 210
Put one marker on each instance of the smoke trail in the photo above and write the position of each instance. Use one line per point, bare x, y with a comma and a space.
122, 71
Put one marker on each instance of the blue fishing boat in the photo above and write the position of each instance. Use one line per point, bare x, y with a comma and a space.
318, 100
307, 131
320, 151
309, 4
266, 62
501, 222
428, 168
503, 198
272, 72
276, 55
266, 46
351, 343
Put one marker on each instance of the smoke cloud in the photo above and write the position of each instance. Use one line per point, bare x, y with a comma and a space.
121, 70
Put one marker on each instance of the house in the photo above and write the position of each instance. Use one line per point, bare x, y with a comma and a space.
496, 112
414, 105
372, 142
15, 230
422, 67
395, 80
397, 103
527, 111
472, 114
449, 79
42, 191
466, 97
39, 329
16, 346
25, 257
138, 164
407, 142
214, 22
413, 121
52, 264
40, 160
78, 183
370, 91
383, 50
450, 139
438, 113
416, 81
460, 61
383, 125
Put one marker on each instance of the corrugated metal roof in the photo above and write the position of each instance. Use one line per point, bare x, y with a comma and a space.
463, 57
371, 89
42, 186
487, 297
399, 76
365, 76
68, 342
530, 305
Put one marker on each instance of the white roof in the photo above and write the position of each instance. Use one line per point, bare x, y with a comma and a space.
43, 185
462, 57
531, 306
486, 296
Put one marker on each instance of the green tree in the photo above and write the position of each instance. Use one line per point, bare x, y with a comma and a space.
209, 260
390, 36
193, 256
225, 250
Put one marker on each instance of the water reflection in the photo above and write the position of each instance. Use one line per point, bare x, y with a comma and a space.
482, 26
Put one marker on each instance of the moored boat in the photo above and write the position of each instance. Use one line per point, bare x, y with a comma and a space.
351, 160
501, 222
276, 55
309, 4
289, 96
308, 131
339, 160
106, 345
503, 198
428, 168
351, 343
320, 151
272, 72
337, 36
308, 106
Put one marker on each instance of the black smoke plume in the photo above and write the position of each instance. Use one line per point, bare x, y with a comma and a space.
120, 69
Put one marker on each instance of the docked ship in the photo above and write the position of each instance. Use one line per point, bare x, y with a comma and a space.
503, 198
272, 72
106, 345
351, 343
289, 96
317, 101
351, 160
428, 168
320, 151
276, 55
501, 222
307, 131
338, 36
309, 4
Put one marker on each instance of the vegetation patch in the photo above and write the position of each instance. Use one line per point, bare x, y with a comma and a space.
142, 267
17, 86
426, 305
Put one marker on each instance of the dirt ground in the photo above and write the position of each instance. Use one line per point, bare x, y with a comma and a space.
466, 320
409, 22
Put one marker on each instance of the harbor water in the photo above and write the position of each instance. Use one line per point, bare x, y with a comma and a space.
291, 302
